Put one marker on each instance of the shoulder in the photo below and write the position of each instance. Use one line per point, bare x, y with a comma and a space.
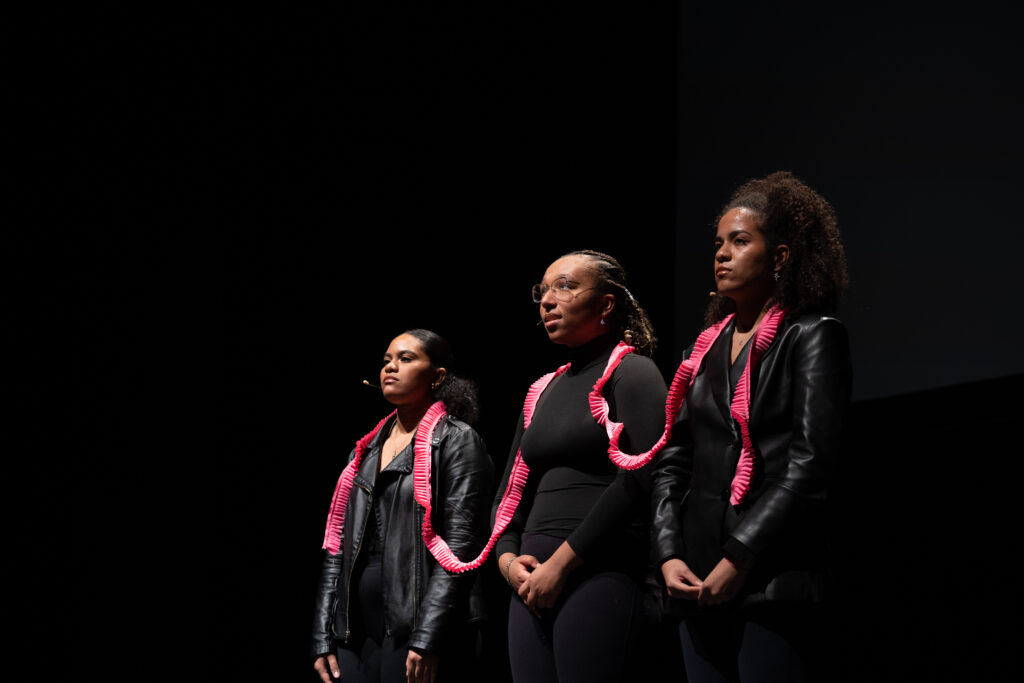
454, 426
459, 448
809, 327
452, 431
816, 340
638, 371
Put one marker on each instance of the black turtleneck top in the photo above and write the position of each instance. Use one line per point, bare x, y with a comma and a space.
574, 492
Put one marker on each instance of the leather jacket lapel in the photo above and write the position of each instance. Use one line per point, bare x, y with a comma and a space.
763, 368
716, 372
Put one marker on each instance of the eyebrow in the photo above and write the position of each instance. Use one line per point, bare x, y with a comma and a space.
408, 352
733, 233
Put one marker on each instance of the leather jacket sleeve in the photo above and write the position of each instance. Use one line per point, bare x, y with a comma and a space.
463, 486
820, 372
670, 482
322, 632
321, 638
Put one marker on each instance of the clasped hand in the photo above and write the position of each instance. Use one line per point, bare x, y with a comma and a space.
538, 584
721, 585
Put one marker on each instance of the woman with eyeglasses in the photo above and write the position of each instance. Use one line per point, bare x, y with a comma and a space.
575, 541
740, 492
393, 602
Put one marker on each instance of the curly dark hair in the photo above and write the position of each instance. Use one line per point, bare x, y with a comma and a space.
627, 317
458, 393
791, 213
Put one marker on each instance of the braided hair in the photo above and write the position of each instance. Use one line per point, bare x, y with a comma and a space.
627, 317
791, 213
458, 393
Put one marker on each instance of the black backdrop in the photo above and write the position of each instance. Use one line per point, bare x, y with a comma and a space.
231, 214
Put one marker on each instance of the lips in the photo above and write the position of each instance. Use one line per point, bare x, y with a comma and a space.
551, 320
719, 272
390, 380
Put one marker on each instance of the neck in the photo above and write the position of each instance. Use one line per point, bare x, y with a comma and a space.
409, 416
750, 313
601, 337
583, 354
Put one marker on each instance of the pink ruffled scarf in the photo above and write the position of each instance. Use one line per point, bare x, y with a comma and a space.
684, 377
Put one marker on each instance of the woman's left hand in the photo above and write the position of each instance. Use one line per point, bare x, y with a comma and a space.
544, 584
420, 666
722, 584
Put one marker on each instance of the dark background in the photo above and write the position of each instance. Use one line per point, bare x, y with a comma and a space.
230, 215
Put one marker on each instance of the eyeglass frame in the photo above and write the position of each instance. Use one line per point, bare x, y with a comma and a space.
543, 289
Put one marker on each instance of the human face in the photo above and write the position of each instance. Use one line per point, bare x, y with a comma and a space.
407, 375
577, 321
743, 269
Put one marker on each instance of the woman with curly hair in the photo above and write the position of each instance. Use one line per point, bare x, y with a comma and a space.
739, 492
393, 602
575, 528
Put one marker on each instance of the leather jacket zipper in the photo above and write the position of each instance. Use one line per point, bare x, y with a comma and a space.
348, 580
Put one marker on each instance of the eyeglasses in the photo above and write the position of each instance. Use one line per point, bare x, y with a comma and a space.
565, 290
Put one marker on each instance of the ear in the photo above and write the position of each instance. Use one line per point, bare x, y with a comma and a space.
607, 304
438, 378
781, 257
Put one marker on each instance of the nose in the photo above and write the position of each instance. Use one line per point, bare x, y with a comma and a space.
390, 366
722, 253
548, 299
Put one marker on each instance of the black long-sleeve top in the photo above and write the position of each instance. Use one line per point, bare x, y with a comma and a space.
574, 492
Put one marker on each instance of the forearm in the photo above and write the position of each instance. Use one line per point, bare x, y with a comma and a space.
444, 602
508, 541
564, 559
670, 486
321, 633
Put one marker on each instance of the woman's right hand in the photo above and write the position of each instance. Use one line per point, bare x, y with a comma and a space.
679, 580
327, 667
520, 569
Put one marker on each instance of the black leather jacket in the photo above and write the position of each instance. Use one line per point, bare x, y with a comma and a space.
422, 601
800, 390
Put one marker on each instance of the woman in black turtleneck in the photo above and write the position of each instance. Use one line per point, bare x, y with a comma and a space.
576, 551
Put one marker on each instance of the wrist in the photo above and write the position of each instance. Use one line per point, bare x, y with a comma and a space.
737, 566
508, 570
564, 559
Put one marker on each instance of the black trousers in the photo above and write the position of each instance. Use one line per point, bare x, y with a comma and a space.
764, 643
587, 636
372, 656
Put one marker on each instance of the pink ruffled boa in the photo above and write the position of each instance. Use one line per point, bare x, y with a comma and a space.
681, 382
336, 515
421, 484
